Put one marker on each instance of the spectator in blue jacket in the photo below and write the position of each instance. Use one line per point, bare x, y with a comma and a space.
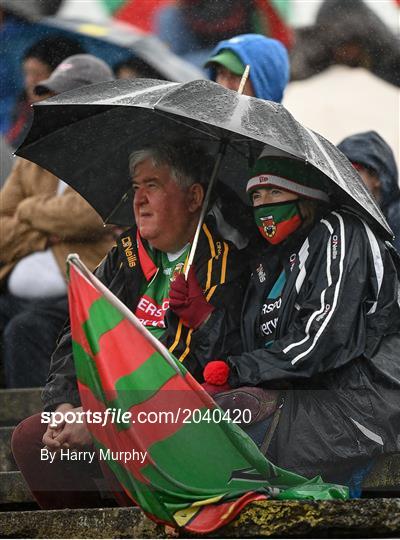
268, 60
374, 160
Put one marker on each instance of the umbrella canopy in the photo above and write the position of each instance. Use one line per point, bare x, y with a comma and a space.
85, 137
144, 45
31, 10
113, 42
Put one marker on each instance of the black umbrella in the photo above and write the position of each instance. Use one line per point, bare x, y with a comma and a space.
145, 46
85, 137
31, 10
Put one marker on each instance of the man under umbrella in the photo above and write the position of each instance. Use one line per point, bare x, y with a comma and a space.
147, 109
197, 319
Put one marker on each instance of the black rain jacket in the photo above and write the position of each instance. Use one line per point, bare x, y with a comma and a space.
336, 355
221, 271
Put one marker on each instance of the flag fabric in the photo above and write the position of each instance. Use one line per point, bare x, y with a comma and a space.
274, 15
140, 14
270, 16
167, 442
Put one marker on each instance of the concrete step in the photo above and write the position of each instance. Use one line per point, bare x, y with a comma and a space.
15, 492
7, 462
13, 489
385, 475
302, 519
383, 480
17, 404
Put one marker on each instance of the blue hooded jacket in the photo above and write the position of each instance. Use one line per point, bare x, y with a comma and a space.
370, 150
268, 59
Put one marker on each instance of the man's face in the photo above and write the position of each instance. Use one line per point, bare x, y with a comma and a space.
34, 72
126, 72
165, 213
371, 180
228, 79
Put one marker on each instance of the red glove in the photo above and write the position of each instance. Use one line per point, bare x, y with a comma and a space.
186, 299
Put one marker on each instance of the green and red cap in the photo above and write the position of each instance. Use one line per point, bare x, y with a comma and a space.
292, 175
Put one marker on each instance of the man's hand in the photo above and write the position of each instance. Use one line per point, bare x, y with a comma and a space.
66, 435
186, 299
74, 435
55, 429
49, 438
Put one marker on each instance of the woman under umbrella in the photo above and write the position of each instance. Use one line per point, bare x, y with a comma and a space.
320, 330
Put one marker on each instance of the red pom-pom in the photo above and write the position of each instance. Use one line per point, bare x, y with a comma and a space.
216, 372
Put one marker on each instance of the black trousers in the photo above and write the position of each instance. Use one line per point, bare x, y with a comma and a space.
29, 331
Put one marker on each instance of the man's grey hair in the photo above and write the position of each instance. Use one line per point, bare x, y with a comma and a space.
188, 162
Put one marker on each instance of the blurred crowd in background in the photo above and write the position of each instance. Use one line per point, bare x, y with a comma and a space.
344, 33
344, 80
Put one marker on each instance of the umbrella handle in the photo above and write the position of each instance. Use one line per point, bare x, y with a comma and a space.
220, 155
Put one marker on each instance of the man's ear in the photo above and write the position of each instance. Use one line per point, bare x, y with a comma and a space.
196, 197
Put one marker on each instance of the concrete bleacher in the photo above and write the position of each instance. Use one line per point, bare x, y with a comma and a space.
378, 515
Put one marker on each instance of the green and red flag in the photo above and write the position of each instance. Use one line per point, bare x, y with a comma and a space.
137, 12
272, 20
270, 16
167, 442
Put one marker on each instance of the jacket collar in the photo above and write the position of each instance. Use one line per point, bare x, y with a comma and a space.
146, 262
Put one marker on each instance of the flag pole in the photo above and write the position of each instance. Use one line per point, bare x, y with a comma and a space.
220, 155
74, 259
243, 80
193, 247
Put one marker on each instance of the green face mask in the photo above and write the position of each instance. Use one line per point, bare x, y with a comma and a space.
276, 221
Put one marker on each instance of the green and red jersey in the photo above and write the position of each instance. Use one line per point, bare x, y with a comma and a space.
159, 269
